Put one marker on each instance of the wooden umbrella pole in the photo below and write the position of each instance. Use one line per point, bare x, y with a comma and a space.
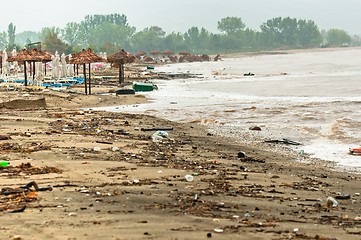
25, 75
33, 71
122, 66
90, 90
121, 73
86, 86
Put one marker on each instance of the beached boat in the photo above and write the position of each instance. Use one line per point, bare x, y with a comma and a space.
144, 87
355, 151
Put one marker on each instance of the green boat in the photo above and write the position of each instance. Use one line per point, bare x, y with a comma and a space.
144, 87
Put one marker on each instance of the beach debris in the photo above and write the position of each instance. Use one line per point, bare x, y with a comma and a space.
159, 136
249, 74
285, 141
249, 159
72, 214
157, 129
4, 163
245, 175
96, 149
189, 178
103, 142
355, 151
5, 137
218, 230
28, 169
241, 155
115, 149
331, 202
343, 197
255, 128
15, 200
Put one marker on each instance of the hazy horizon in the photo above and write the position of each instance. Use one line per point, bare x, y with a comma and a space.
179, 16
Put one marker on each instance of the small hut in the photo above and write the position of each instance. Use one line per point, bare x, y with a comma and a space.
86, 57
119, 59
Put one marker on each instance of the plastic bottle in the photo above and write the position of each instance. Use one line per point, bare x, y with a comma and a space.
4, 163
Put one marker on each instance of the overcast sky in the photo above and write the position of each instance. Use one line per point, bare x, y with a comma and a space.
180, 15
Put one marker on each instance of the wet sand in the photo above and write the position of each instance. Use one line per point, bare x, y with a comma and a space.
111, 180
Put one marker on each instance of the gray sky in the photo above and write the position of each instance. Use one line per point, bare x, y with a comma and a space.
180, 15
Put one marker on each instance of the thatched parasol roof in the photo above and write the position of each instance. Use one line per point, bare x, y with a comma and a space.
86, 56
184, 53
168, 53
141, 53
155, 52
121, 57
31, 55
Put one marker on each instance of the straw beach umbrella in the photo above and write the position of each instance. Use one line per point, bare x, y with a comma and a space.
119, 59
86, 57
30, 56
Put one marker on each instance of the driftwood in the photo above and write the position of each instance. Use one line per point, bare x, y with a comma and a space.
157, 129
285, 141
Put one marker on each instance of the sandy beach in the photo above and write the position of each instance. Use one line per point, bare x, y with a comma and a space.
87, 174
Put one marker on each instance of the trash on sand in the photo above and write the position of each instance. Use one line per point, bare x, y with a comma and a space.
159, 136
96, 149
218, 230
189, 178
285, 141
115, 149
4, 163
5, 137
15, 200
355, 151
241, 155
343, 197
157, 129
331, 202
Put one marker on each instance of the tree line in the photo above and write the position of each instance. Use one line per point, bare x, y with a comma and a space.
111, 33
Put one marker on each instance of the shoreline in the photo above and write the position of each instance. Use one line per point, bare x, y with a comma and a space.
118, 183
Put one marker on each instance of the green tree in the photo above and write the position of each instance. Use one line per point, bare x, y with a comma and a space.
109, 37
149, 39
230, 25
192, 39
11, 36
46, 31
72, 34
52, 43
3, 40
338, 37
308, 34
279, 32
94, 21
174, 41
289, 32
24, 38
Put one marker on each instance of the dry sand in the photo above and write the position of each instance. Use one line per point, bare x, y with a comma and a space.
110, 180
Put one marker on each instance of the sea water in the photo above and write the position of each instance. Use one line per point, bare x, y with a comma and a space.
313, 97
